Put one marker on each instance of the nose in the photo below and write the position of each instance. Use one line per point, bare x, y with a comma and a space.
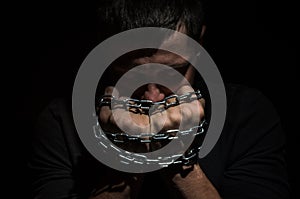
153, 93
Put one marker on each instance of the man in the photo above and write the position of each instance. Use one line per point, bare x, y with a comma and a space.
247, 161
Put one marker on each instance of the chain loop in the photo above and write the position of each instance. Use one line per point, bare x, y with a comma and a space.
145, 105
188, 158
151, 137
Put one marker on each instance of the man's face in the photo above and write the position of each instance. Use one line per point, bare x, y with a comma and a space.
177, 68
178, 71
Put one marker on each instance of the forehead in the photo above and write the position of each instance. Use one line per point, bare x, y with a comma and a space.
161, 57
146, 56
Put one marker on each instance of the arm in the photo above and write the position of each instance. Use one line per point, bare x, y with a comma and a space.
256, 164
50, 165
56, 174
190, 182
117, 185
255, 167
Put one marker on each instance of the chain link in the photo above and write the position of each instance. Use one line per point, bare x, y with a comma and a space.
145, 105
151, 137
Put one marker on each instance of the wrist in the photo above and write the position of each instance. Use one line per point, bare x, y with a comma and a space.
191, 182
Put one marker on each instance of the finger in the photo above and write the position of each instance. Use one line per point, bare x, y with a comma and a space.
192, 114
184, 89
106, 118
170, 118
183, 117
202, 102
117, 117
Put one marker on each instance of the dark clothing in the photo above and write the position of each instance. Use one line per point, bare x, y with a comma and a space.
247, 161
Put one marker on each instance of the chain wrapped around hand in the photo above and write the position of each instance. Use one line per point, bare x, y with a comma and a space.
188, 158
172, 100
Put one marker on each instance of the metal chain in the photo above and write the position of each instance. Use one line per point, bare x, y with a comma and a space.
188, 158
151, 137
172, 100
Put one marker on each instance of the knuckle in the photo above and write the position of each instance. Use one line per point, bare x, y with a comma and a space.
202, 102
103, 116
187, 112
174, 118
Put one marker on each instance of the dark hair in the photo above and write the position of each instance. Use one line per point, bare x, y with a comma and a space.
119, 15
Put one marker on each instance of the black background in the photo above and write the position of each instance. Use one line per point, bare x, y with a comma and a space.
252, 42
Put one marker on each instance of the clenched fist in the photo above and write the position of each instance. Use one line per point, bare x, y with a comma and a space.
117, 119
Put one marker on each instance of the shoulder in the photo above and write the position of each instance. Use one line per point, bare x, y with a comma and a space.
55, 120
57, 107
58, 110
249, 102
242, 93
56, 131
252, 122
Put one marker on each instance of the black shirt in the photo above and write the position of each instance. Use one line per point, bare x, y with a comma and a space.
248, 160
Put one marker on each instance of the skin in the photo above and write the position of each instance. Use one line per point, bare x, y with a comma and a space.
187, 181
